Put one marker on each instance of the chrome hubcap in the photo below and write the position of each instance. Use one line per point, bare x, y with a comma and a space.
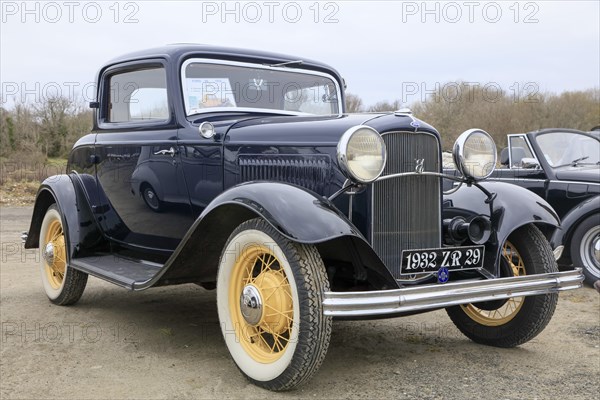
48, 253
590, 251
596, 249
251, 305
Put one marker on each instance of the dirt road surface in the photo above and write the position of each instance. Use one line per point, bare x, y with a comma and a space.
166, 343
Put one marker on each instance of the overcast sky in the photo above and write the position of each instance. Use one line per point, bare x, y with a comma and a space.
385, 50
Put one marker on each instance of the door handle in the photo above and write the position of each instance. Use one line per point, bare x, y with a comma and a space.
171, 152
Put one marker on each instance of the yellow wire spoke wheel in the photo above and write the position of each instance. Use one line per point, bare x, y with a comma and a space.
62, 284
53, 253
512, 306
270, 304
261, 304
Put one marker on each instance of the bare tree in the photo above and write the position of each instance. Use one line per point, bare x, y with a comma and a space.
354, 104
386, 106
52, 114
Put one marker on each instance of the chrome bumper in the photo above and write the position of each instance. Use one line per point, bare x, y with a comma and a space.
422, 298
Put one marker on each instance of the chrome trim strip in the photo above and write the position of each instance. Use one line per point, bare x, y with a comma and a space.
578, 182
438, 174
524, 178
429, 297
514, 178
256, 66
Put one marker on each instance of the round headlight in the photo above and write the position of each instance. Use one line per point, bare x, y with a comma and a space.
361, 154
474, 154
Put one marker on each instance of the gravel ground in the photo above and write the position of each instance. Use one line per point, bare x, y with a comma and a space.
166, 343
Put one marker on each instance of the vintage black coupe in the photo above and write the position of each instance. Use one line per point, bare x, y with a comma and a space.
240, 171
563, 167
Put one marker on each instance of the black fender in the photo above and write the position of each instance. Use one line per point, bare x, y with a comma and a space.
68, 192
511, 208
570, 221
297, 213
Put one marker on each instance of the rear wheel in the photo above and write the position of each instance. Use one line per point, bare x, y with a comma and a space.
63, 285
511, 322
585, 248
269, 299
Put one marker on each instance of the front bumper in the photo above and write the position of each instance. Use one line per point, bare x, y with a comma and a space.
429, 297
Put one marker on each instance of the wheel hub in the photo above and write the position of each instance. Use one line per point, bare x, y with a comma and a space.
48, 253
251, 305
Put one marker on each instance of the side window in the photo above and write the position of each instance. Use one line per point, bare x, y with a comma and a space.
519, 149
138, 96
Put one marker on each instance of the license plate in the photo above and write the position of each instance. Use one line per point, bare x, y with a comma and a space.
452, 258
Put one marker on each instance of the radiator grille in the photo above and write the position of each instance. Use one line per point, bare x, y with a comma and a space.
406, 210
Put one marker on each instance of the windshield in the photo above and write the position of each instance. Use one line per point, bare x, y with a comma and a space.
568, 148
209, 86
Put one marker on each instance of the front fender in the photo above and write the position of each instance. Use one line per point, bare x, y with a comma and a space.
570, 221
297, 213
79, 225
512, 208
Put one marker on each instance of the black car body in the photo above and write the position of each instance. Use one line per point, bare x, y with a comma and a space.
563, 167
240, 170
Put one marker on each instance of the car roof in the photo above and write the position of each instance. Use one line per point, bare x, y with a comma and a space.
186, 50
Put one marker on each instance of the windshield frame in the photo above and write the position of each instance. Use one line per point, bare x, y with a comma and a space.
267, 67
563, 131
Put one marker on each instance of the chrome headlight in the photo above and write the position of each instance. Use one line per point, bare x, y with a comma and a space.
361, 154
474, 154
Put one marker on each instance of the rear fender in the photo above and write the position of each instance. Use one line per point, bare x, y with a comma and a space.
82, 232
512, 208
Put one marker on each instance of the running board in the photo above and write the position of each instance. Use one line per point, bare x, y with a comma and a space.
429, 297
121, 271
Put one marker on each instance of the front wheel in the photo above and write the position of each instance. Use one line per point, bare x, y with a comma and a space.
63, 285
514, 321
585, 248
270, 305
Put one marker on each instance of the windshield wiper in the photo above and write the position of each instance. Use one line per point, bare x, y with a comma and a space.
285, 64
574, 162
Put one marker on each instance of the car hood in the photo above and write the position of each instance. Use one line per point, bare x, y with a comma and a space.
326, 130
581, 173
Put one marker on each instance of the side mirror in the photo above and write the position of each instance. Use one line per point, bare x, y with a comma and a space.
529, 163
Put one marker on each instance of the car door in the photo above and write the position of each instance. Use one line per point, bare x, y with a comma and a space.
202, 162
139, 173
513, 170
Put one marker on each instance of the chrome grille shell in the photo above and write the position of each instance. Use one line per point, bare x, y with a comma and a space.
406, 211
